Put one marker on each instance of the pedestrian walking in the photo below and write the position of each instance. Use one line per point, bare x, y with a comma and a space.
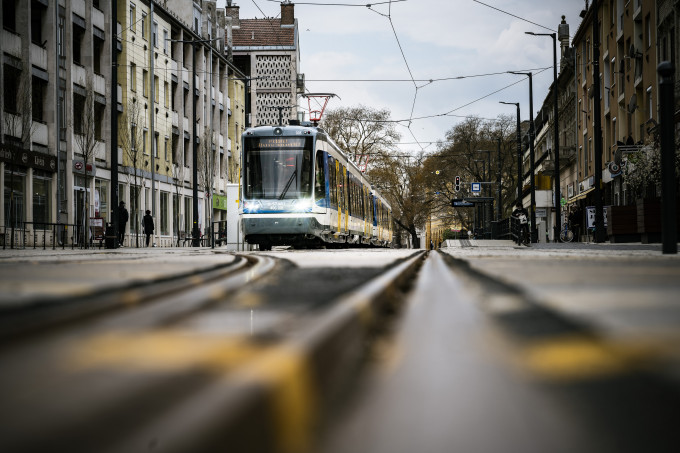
148, 226
123, 217
522, 217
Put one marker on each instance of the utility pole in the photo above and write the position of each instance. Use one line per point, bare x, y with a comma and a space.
114, 121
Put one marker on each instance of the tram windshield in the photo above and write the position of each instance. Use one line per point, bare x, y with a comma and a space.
278, 167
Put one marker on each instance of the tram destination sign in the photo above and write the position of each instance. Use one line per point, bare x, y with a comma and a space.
262, 143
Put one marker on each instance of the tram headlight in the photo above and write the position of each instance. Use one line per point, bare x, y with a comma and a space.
303, 205
252, 206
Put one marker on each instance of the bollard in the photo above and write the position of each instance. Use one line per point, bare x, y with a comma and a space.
669, 231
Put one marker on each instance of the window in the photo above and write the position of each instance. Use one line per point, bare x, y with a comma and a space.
165, 41
154, 34
60, 42
144, 35
41, 202
78, 113
155, 145
145, 133
650, 107
98, 47
99, 110
166, 92
37, 14
165, 205
145, 82
78, 35
156, 89
166, 148
38, 99
11, 81
14, 210
133, 77
648, 31
101, 187
133, 17
9, 15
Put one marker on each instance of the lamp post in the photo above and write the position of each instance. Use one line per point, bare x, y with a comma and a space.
558, 209
532, 211
519, 152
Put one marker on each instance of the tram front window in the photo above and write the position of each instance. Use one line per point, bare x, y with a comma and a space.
278, 167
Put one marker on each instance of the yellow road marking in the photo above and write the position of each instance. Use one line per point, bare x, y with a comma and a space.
581, 357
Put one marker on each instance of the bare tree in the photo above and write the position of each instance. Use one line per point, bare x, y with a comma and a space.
85, 127
18, 124
178, 182
131, 136
364, 133
206, 172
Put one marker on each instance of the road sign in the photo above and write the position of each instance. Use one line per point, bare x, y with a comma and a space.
475, 187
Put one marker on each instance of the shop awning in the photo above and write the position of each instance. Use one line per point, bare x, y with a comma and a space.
581, 195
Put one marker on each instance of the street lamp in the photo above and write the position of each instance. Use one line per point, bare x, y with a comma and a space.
519, 151
532, 211
558, 213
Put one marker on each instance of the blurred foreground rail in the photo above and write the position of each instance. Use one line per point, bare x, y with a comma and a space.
340, 351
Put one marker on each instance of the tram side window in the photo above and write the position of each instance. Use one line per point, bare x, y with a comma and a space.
332, 181
319, 178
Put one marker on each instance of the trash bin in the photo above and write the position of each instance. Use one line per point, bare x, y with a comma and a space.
110, 237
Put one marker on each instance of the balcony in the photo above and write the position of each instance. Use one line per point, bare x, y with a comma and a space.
99, 84
38, 56
98, 19
11, 43
79, 75
40, 133
78, 7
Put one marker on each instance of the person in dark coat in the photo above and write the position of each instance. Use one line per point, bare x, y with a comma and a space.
148, 226
575, 223
123, 217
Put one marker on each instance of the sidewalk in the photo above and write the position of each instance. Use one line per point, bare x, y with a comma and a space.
32, 275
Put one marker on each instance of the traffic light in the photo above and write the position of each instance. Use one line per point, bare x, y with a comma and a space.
457, 186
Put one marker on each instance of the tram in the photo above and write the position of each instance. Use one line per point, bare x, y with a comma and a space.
300, 189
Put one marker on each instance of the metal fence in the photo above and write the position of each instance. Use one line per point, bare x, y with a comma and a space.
47, 235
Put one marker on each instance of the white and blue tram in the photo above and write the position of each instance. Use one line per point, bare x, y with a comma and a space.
300, 189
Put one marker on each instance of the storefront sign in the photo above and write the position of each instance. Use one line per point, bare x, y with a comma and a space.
219, 202
30, 159
79, 167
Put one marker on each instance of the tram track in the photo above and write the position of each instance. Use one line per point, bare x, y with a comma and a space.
40, 314
152, 375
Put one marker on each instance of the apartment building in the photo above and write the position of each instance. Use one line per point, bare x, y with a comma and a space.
268, 52
628, 94
56, 73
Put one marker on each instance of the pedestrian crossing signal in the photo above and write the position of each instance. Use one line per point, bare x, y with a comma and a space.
457, 186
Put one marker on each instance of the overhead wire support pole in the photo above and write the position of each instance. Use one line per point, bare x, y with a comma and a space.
556, 135
532, 164
114, 122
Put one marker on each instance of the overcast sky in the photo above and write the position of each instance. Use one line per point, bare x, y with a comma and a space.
439, 39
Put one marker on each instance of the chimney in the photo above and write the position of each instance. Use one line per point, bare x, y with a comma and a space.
232, 11
563, 36
287, 13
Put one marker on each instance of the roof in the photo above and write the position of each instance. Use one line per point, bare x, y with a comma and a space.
263, 32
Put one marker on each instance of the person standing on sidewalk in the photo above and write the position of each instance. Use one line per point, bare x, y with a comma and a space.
148, 226
522, 217
122, 221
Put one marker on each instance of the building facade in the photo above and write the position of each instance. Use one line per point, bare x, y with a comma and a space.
56, 77
268, 52
628, 92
